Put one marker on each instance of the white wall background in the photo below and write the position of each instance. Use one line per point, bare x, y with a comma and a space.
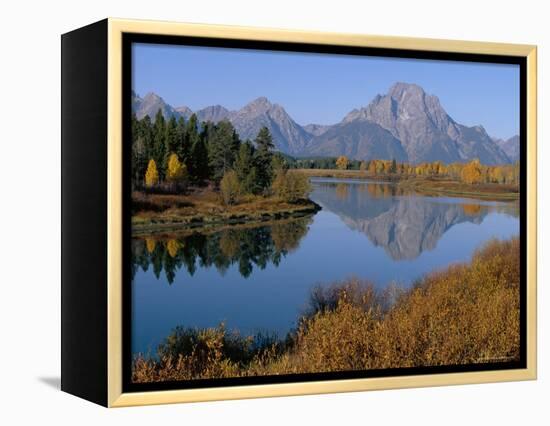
30, 211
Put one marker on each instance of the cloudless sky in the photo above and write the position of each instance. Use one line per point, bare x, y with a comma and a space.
321, 88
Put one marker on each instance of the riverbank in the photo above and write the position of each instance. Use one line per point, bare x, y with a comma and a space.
203, 208
348, 174
465, 314
451, 188
427, 185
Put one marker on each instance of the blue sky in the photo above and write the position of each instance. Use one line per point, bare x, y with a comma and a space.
320, 88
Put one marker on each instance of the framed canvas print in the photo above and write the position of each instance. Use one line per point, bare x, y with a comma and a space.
250, 212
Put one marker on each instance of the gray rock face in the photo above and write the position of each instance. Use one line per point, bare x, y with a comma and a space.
288, 136
316, 129
362, 140
213, 113
150, 104
425, 130
184, 112
510, 147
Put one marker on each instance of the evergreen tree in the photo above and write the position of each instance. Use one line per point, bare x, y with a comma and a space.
139, 153
245, 168
146, 132
191, 136
182, 148
171, 141
263, 158
158, 148
393, 168
198, 162
222, 148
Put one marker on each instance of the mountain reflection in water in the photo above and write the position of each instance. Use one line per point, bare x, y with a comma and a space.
405, 224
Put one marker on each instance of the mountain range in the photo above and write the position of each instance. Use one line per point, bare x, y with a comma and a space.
405, 124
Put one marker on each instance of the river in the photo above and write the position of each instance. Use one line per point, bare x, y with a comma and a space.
259, 278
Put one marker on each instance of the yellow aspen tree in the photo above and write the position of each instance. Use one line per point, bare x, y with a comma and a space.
176, 171
372, 167
471, 173
342, 162
152, 174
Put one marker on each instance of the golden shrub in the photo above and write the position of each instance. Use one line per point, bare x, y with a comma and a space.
230, 187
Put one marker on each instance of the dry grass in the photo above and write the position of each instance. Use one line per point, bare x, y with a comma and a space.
467, 313
346, 174
205, 206
427, 185
444, 186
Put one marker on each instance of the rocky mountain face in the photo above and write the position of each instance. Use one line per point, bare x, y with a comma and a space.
510, 147
150, 104
288, 136
213, 113
426, 131
316, 129
184, 112
357, 139
406, 124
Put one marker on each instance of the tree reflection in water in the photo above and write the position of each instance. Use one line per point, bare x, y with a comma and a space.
245, 246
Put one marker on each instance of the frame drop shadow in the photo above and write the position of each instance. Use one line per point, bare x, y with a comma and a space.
53, 382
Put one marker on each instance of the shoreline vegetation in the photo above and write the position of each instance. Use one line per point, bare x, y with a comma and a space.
466, 313
190, 175
486, 191
427, 185
203, 209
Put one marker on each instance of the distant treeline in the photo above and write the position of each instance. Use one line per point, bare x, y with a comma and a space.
472, 172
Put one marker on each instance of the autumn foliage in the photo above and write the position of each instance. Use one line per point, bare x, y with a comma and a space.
290, 186
177, 172
342, 162
151, 175
471, 172
230, 187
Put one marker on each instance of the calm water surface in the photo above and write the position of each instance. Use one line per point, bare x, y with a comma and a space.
259, 279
